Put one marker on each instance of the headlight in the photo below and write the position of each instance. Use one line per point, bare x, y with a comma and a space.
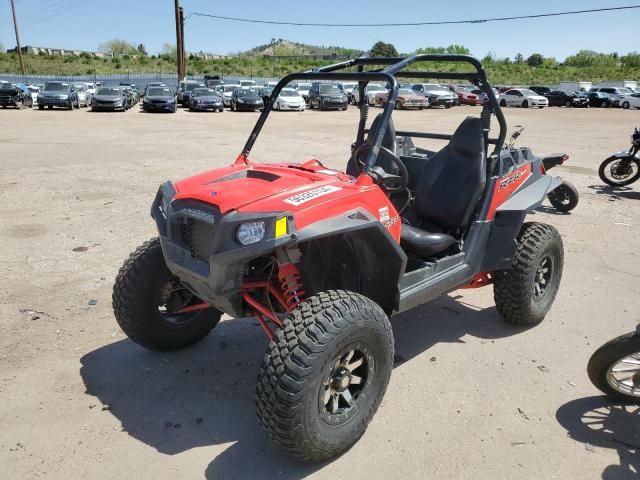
240, 100
250, 233
64, 97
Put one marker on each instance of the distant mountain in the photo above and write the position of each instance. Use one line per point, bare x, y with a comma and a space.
282, 47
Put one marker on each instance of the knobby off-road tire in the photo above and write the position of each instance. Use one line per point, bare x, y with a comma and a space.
525, 292
136, 295
606, 357
304, 362
564, 198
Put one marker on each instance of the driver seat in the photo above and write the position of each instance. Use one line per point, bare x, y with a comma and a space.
448, 188
389, 141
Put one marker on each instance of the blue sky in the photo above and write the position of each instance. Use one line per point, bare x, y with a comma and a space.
83, 24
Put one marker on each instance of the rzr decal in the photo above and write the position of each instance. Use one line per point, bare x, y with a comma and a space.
303, 197
507, 186
509, 180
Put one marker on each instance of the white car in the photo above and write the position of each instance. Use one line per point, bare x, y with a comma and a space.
347, 88
522, 97
289, 99
247, 84
34, 90
630, 101
304, 88
84, 98
438, 95
226, 91
370, 92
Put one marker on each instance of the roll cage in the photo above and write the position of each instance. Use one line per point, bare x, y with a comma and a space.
394, 68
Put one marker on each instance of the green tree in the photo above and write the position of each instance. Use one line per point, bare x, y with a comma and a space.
631, 60
519, 59
382, 49
117, 47
142, 49
535, 60
489, 58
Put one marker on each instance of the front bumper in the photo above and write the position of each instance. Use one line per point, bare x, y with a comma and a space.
208, 106
294, 107
108, 107
160, 107
249, 106
441, 101
200, 246
337, 104
55, 102
7, 101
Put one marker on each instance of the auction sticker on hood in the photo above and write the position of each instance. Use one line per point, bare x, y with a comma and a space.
304, 197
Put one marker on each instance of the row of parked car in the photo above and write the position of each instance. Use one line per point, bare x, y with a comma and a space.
215, 95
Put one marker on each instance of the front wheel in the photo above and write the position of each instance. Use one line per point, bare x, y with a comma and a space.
614, 368
619, 172
567, 103
564, 198
153, 308
525, 292
503, 103
525, 104
324, 375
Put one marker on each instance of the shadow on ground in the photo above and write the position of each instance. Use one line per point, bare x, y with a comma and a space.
203, 395
616, 193
602, 423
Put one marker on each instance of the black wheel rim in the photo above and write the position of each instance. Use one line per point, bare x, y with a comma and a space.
341, 391
173, 297
542, 278
621, 170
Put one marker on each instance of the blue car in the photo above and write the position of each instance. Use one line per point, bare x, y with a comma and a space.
58, 94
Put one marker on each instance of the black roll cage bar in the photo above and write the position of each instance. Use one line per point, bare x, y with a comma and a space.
395, 68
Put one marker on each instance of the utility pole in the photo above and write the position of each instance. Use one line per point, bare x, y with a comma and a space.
182, 54
178, 40
15, 25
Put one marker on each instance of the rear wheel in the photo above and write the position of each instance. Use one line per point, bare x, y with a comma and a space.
525, 104
324, 375
398, 105
619, 172
626, 105
564, 198
567, 103
152, 306
503, 103
614, 368
525, 292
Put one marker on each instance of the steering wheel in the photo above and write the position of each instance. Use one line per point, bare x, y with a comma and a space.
389, 182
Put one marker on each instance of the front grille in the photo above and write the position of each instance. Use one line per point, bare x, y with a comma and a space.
197, 236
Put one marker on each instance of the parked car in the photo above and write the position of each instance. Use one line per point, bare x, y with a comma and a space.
91, 88
184, 90
406, 98
110, 99
370, 92
630, 101
467, 97
265, 93
438, 95
347, 88
290, 99
522, 97
247, 84
615, 93
159, 99
15, 95
559, 98
84, 99
34, 90
153, 85
226, 91
246, 99
128, 92
482, 95
326, 95
540, 90
58, 94
304, 88
203, 99
598, 99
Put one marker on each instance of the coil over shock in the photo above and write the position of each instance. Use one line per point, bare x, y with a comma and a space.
291, 284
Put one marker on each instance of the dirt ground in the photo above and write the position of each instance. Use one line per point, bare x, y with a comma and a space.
470, 396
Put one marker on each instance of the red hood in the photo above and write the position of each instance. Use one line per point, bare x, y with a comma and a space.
236, 186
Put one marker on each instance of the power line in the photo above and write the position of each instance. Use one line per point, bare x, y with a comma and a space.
413, 24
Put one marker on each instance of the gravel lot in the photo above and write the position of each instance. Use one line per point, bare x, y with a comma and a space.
470, 397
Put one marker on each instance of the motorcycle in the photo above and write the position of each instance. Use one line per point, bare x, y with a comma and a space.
564, 197
614, 368
622, 168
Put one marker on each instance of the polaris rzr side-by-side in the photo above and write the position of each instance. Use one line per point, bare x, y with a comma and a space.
322, 257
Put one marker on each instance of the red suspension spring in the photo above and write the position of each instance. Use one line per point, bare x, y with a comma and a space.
291, 285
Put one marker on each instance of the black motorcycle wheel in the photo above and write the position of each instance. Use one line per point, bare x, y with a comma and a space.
614, 368
564, 198
619, 172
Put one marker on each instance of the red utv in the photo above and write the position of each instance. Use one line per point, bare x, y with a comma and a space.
323, 257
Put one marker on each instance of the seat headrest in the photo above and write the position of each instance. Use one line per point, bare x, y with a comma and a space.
468, 137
